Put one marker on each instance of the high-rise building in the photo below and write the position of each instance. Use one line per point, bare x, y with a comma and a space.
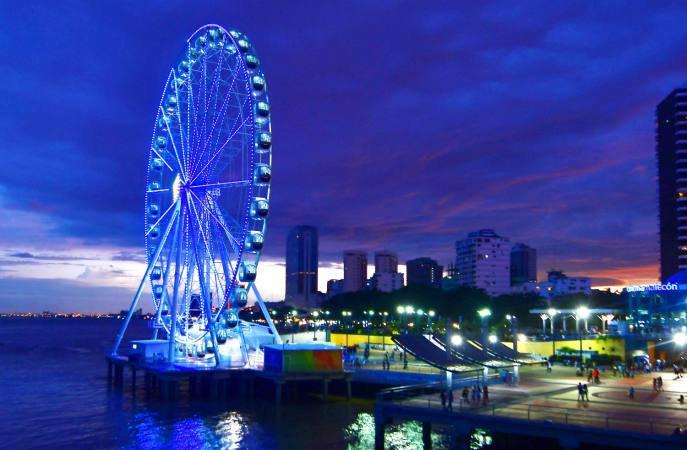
424, 271
301, 266
355, 270
523, 264
386, 262
483, 261
671, 153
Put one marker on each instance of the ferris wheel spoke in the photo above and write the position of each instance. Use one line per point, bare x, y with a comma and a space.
227, 267
218, 115
174, 145
234, 243
162, 159
223, 184
191, 113
153, 226
220, 149
178, 111
156, 191
210, 259
204, 103
211, 255
239, 115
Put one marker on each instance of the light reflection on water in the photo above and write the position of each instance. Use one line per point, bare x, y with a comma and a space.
360, 435
231, 429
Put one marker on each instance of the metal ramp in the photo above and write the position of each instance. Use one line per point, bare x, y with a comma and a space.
427, 351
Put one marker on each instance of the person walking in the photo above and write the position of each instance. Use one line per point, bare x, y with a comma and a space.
580, 393
450, 400
585, 391
465, 394
631, 393
485, 391
443, 399
655, 382
659, 383
548, 366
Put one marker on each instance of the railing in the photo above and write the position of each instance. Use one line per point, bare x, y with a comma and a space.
427, 396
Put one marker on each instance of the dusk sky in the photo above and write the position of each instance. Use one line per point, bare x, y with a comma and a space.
397, 125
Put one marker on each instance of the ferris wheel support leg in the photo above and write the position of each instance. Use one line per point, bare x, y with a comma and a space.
165, 279
266, 313
206, 301
171, 350
137, 296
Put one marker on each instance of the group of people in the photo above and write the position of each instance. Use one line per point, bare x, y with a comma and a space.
582, 392
658, 384
593, 376
479, 393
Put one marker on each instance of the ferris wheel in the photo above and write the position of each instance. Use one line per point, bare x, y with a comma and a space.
207, 194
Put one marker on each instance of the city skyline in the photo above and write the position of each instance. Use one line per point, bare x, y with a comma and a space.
571, 101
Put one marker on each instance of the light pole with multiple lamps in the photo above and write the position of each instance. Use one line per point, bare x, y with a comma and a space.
581, 313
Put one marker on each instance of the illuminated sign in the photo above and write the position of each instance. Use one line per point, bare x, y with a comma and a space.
653, 287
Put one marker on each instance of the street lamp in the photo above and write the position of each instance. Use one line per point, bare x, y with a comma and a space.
680, 338
456, 340
514, 331
552, 313
484, 314
493, 339
605, 321
581, 313
543, 318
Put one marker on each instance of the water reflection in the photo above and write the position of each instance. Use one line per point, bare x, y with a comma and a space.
480, 438
404, 436
231, 429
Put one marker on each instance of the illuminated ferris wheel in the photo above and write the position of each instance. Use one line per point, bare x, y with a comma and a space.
207, 196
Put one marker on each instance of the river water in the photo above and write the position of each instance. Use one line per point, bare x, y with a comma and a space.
54, 393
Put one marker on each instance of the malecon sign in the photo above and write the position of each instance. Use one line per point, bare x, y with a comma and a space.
653, 287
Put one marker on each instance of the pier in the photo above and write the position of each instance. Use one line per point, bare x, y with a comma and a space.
163, 381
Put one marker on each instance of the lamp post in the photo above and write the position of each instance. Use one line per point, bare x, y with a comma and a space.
315, 314
484, 314
543, 317
514, 331
581, 313
605, 320
552, 313
345, 314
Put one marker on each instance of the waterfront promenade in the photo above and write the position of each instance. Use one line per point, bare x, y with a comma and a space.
546, 405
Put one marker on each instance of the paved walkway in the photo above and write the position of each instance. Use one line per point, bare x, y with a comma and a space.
554, 397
